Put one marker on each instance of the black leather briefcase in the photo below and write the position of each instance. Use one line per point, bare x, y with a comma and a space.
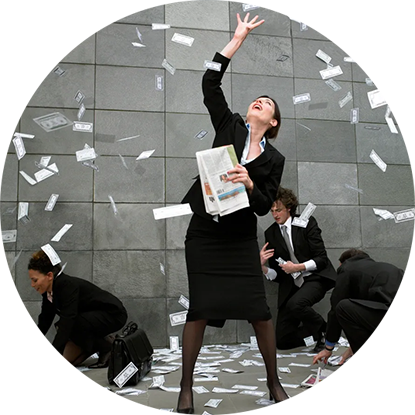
132, 345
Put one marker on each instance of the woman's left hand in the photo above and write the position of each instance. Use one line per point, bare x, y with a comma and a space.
33, 375
239, 174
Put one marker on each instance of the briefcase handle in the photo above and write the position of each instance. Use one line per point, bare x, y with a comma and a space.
130, 328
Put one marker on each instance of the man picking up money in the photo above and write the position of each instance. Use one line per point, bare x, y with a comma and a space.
363, 294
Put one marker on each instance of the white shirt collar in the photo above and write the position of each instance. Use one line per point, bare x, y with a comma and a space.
287, 223
262, 144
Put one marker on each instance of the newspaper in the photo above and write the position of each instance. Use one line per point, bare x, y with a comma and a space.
323, 379
221, 196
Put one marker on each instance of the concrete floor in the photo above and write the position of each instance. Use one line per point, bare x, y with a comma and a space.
307, 401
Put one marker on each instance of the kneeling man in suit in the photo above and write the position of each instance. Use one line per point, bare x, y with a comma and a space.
363, 294
304, 252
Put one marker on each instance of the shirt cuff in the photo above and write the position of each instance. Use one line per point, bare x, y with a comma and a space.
271, 274
330, 344
310, 265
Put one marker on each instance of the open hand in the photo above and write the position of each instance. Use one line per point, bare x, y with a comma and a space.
245, 26
265, 254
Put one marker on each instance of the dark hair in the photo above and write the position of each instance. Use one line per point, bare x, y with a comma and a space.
288, 199
41, 262
273, 131
351, 253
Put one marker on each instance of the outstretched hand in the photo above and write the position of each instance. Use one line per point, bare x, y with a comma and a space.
245, 26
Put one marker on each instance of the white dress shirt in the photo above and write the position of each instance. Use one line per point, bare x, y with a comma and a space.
310, 265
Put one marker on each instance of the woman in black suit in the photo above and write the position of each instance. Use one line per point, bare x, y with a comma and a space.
87, 313
224, 271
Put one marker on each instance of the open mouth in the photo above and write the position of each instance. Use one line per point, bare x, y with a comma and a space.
257, 107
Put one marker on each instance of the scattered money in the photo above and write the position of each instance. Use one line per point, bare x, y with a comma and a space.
333, 84
159, 83
138, 45
123, 161
57, 275
51, 253
299, 99
253, 393
330, 72
19, 147
130, 391
223, 390
171, 211
174, 343
207, 379
300, 222
200, 389
9, 236
404, 215
58, 71
128, 138
384, 214
182, 39
62, 232
79, 97
157, 382
91, 165
28, 178
23, 212
376, 99
178, 318
122, 378
214, 66
282, 262
201, 134
284, 369
168, 66
264, 402
245, 387
369, 82
289, 385
346, 99
308, 211
354, 116
247, 7
23, 135
233, 371
159, 26
145, 154
113, 206
139, 35
52, 122
378, 161
282, 58
303, 27
46, 172
353, 188
309, 341
81, 112
184, 302
84, 127
323, 56
299, 364
85, 154
391, 125
44, 161
213, 403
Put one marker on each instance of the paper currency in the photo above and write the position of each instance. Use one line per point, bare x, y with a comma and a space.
252, 393
333, 84
330, 72
28, 178
84, 404
369, 82
308, 211
365, 386
384, 214
353, 59
299, 364
44, 161
23, 212
145, 154
183, 39
159, 83
113, 206
138, 45
294, 7
85, 154
9, 236
178, 318
52, 122
402, 407
58, 71
223, 390
19, 147
123, 161
62, 232
284, 369
159, 26
184, 302
157, 382
304, 23
404, 215
51, 253
207, 379
334, 406
81, 112
248, 7
171, 211
46, 172
91, 165
23, 135
233, 371
78, 32
201, 134
122, 378
37, 391
139, 35
309, 341
289, 385
391, 125
346, 99
264, 402
168, 66
213, 403
378, 161
128, 138
245, 387
79, 97
130, 391
51, 202
28, 13
282, 58
59, 273
84, 127
214, 66
174, 342
282, 262
388, 94
353, 188
334, 360
299, 99
200, 389
323, 56
354, 116
5, 97
354, 408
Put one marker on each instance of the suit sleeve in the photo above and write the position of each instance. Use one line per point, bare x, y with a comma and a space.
341, 291
69, 301
213, 96
316, 244
46, 315
262, 197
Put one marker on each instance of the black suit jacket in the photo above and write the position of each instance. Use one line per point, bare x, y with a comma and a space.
265, 171
366, 282
307, 244
72, 296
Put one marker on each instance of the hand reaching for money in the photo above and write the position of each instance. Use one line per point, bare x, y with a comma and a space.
245, 26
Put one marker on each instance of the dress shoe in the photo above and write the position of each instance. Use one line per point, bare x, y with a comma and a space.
285, 406
189, 410
379, 377
104, 353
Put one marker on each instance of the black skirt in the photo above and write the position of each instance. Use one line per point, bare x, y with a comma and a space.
224, 270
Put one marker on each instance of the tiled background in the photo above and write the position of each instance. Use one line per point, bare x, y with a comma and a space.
123, 254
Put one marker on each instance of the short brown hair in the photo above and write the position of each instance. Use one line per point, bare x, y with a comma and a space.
288, 199
273, 131
41, 262
351, 253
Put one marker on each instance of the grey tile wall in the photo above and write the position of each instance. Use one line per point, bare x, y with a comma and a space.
122, 253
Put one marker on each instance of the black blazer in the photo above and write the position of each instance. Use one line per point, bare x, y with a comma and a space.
71, 297
307, 244
366, 282
265, 171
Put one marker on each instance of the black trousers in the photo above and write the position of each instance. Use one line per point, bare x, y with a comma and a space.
297, 319
361, 325
92, 326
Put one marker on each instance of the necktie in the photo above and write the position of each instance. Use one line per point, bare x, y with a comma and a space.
299, 280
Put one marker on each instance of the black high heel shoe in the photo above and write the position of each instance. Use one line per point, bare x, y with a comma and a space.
189, 410
286, 406
272, 397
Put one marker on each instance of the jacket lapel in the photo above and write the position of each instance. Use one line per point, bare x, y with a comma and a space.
279, 241
240, 139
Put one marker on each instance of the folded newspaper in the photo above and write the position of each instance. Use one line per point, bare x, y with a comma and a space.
221, 196
324, 379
